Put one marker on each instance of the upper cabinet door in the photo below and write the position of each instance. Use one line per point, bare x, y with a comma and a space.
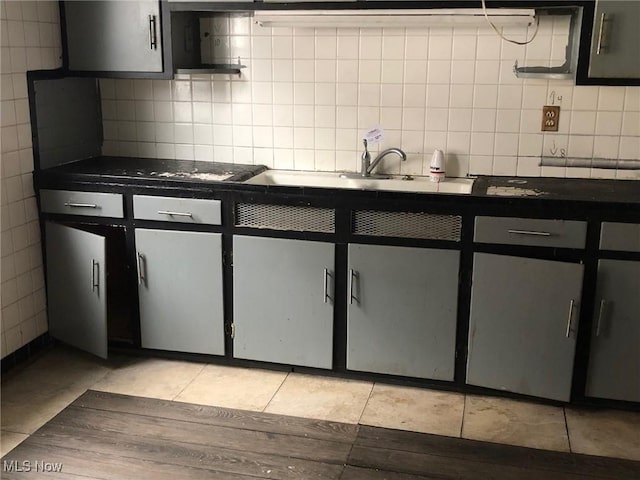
108, 36
77, 288
615, 40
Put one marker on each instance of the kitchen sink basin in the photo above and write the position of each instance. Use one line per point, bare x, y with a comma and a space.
416, 184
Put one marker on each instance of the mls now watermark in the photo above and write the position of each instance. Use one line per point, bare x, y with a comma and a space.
31, 466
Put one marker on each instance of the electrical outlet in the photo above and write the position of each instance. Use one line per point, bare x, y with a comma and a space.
550, 118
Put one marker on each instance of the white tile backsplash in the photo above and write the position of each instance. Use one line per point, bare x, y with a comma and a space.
307, 96
30, 40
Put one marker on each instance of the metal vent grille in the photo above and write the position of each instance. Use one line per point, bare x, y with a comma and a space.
284, 217
407, 225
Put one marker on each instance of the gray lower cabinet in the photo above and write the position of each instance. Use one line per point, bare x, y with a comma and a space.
523, 324
615, 40
402, 310
76, 287
180, 290
114, 36
283, 300
614, 359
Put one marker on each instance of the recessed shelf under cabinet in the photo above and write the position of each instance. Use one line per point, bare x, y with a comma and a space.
201, 42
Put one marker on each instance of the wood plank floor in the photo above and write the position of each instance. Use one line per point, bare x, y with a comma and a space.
110, 436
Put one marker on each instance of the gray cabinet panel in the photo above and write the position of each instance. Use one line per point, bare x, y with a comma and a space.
616, 36
530, 231
402, 320
281, 311
114, 36
171, 209
94, 204
180, 289
621, 237
519, 321
614, 360
76, 288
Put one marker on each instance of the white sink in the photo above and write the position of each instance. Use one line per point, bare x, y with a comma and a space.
418, 184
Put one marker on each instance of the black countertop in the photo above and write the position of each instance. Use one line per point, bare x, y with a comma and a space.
196, 174
576, 189
134, 169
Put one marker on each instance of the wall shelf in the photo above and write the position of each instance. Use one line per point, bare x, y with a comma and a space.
215, 68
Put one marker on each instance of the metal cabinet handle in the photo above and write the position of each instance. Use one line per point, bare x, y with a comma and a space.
529, 232
327, 297
175, 214
353, 275
568, 334
80, 205
601, 46
153, 34
95, 277
600, 316
141, 267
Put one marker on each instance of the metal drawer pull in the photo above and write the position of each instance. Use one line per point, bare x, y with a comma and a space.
80, 205
326, 285
600, 316
570, 318
601, 47
141, 273
95, 277
529, 232
353, 275
153, 35
175, 214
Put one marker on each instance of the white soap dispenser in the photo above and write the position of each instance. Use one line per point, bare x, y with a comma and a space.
437, 169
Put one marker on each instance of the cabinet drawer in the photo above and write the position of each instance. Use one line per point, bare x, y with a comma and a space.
623, 237
171, 209
94, 204
530, 231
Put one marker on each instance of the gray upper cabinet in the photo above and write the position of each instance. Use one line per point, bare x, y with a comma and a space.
283, 300
615, 40
523, 325
114, 36
180, 290
614, 360
76, 288
402, 307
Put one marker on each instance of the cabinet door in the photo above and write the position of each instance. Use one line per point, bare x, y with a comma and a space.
402, 310
616, 36
283, 300
76, 288
180, 290
114, 36
523, 323
614, 361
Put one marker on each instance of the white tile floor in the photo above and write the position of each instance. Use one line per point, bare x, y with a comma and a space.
33, 394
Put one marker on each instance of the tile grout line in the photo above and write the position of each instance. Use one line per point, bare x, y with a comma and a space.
566, 429
275, 393
464, 410
373, 384
189, 384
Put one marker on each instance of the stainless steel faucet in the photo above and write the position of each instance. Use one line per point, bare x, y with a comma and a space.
368, 165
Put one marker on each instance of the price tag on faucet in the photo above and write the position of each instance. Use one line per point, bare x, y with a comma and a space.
373, 136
